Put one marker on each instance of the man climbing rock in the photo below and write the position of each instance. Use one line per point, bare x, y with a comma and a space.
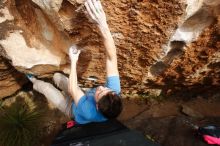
98, 104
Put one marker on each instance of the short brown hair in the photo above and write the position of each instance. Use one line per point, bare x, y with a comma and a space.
110, 105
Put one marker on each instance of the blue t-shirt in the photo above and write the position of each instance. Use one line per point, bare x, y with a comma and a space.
86, 110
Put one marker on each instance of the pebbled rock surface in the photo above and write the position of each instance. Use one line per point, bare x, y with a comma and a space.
35, 37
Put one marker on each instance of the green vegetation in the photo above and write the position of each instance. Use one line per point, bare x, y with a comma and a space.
19, 124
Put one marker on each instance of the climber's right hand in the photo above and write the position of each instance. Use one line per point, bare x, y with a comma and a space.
74, 53
96, 12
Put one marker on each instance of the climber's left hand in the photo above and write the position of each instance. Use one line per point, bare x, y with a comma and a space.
74, 53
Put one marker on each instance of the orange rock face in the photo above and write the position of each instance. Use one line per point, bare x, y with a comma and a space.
10, 79
161, 44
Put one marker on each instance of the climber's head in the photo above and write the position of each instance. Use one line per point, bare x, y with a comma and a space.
108, 102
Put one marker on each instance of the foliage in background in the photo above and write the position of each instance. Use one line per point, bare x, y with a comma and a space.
20, 124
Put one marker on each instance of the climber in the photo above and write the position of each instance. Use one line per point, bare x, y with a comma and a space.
98, 104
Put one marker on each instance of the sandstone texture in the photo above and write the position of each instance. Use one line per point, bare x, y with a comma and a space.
169, 45
10, 79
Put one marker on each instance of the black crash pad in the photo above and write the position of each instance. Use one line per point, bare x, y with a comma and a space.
109, 133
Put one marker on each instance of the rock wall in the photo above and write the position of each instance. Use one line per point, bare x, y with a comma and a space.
10, 79
162, 44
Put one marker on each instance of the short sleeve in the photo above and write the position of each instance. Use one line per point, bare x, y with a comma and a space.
86, 111
113, 82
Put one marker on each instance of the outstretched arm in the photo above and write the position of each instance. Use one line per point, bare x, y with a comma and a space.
74, 90
97, 14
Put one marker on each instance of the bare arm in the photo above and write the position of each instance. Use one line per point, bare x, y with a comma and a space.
75, 91
97, 13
